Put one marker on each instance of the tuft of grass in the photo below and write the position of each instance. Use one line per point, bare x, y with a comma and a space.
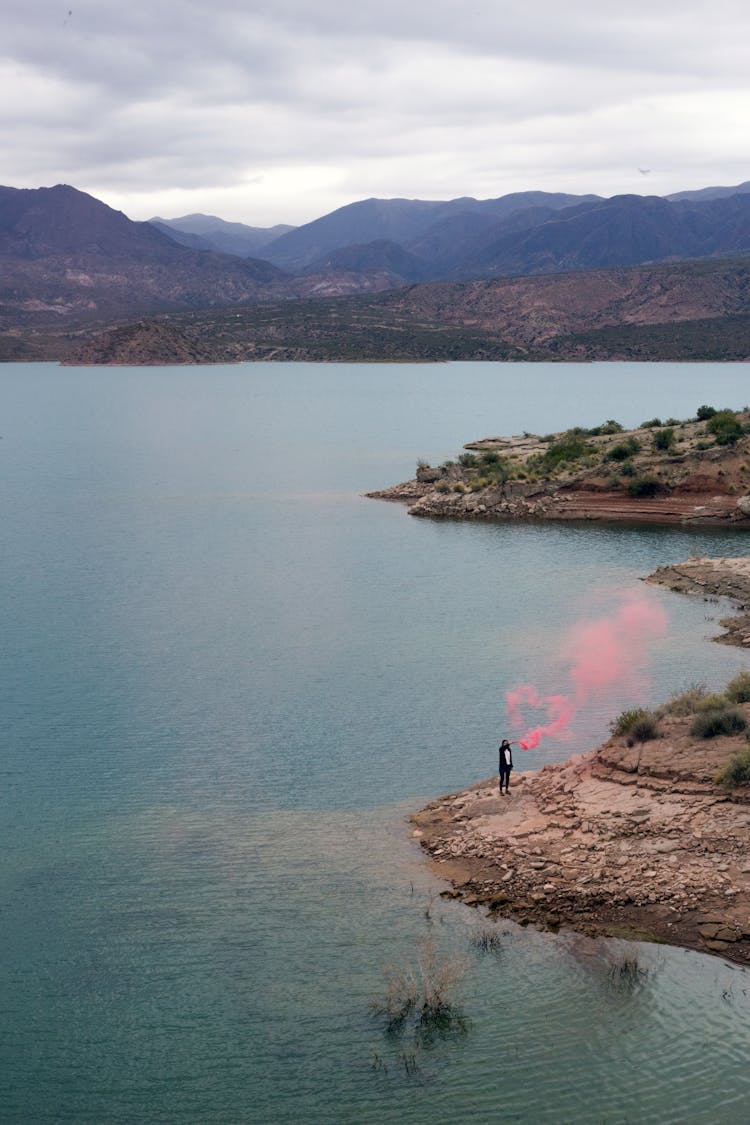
627, 974
487, 941
724, 720
687, 702
713, 702
644, 728
738, 688
736, 771
420, 994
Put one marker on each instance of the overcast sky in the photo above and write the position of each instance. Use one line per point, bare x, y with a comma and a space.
269, 111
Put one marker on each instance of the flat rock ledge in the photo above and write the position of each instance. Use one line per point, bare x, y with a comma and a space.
714, 578
627, 841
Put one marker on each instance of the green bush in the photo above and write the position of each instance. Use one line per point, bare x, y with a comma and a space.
467, 460
703, 413
625, 720
736, 771
738, 689
570, 447
713, 702
651, 424
664, 439
725, 426
644, 728
645, 486
623, 450
627, 468
687, 702
608, 427
724, 720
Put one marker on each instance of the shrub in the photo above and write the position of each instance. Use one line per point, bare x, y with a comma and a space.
608, 427
703, 413
736, 771
651, 424
624, 721
570, 447
467, 460
688, 702
644, 728
673, 422
738, 689
713, 702
628, 469
725, 426
623, 450
664, 439
442, 486
645, 486
724, 720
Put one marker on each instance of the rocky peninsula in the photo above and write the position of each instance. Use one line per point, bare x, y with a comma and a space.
646, 837
690, 472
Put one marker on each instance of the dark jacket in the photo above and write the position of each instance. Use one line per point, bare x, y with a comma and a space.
506, 756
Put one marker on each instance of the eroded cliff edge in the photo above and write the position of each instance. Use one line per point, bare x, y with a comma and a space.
636, 841
695, 471
642, 837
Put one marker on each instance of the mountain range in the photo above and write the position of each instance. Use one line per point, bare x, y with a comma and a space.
68, 260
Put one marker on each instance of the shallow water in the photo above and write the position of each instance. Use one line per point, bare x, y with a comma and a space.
227, 680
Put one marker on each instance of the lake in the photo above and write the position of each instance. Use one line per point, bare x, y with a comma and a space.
228, 678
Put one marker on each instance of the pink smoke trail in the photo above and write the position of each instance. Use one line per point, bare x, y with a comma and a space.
606, 654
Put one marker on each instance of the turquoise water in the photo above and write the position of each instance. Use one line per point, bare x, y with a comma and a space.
228, 678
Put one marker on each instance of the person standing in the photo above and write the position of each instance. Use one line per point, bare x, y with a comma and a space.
506, 764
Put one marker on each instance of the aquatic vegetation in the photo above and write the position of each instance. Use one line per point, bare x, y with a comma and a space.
420, 995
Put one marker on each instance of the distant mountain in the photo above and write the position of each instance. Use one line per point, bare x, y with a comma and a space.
379, 255
704, 194
66, 258
208, 232
64, 252
622, 231
394, 220
519, 234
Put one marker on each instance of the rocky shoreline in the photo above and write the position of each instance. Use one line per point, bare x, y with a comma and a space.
714, 578
635, 839
677, 473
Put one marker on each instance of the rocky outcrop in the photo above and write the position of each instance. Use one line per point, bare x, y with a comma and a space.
618, 475
714, 578
630, 840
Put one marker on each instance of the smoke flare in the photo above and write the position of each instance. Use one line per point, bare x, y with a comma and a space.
606, 655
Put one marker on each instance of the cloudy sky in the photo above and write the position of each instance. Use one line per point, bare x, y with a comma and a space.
266, 111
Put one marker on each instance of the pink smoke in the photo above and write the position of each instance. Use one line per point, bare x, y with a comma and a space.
608, 654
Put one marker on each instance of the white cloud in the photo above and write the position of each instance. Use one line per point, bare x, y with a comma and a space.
285, 109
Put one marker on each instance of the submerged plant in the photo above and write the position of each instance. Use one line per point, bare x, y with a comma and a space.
487, 941
420, 995
626, 974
